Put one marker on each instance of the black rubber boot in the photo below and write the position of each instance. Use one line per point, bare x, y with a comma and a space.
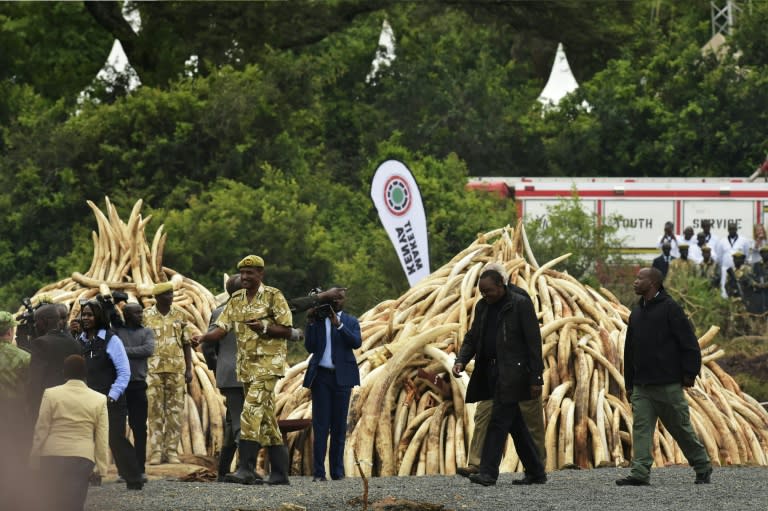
225, 461
279, 463
245, 474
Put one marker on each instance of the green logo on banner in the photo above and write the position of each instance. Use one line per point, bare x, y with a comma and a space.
397, 195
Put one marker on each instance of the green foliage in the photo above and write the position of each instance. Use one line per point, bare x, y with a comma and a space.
702, 302
271, 147
568, 228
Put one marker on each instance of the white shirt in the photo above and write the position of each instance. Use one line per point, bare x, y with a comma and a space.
712, 242
674, 250
327, 359
694, 253
727, 246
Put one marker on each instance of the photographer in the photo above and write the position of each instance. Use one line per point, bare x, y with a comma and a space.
25, 325
331, 336
315, 298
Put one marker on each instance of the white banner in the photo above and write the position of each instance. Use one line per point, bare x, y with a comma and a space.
396, 196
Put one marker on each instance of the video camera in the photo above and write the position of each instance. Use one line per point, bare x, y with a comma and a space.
321, 311
25, 330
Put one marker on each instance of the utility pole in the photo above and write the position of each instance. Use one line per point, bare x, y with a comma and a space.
724, 16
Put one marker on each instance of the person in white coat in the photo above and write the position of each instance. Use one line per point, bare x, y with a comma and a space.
71, 437
725, 249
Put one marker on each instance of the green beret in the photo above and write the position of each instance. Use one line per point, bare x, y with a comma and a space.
162, 287
251, 261
6, 321
738, 253
706, 248
683, 245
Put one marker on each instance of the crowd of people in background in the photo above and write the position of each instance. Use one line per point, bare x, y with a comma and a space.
735, 266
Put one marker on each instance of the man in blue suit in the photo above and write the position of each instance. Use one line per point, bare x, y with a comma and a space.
330, 337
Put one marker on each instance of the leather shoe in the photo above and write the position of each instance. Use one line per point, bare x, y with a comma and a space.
319, 479
631, 481
703, 477
468, 470
529, 479
483, 479
135, 485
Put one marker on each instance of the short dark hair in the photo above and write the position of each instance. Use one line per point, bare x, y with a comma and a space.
75, 368
657, 278
495, 276
233, 284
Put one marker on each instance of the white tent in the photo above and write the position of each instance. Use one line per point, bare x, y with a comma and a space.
561, 81
385, 54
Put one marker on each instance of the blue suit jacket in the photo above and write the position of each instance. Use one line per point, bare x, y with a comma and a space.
344, 340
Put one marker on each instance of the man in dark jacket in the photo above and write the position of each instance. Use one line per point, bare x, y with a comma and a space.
139, 342
661, 356
222, 360
332, 371
48, 353
506, 342
661, 263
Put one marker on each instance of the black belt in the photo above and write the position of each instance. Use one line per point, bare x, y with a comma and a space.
329, 369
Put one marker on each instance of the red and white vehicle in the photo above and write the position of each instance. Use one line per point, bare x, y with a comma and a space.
644, 204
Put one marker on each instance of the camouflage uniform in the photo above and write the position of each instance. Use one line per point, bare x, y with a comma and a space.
260, 361
681, 267
710, 271
14, 363
741, 303
165, 380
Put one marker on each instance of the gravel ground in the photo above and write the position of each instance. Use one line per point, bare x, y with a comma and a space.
672, 488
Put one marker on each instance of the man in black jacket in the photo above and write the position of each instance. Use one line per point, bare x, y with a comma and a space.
48, 353
139, 342
506, 342
661, 356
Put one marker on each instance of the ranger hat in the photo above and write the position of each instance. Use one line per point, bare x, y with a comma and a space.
706, 248
7, 321
737, 253
682, 245
162, 287
251, 261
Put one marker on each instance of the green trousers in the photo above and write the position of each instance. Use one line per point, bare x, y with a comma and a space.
533, 413
666, 403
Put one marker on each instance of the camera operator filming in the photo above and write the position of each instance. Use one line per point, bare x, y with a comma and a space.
330, 337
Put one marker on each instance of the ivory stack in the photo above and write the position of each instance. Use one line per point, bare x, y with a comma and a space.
408, 416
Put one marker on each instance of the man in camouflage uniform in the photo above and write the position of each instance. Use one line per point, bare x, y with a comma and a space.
261, 319
15, 439
708, 267
681, 268
168, 370
739, 285
14, 364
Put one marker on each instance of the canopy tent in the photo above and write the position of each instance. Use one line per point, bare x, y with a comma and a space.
561, 81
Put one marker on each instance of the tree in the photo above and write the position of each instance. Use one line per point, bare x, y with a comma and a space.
568, 228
